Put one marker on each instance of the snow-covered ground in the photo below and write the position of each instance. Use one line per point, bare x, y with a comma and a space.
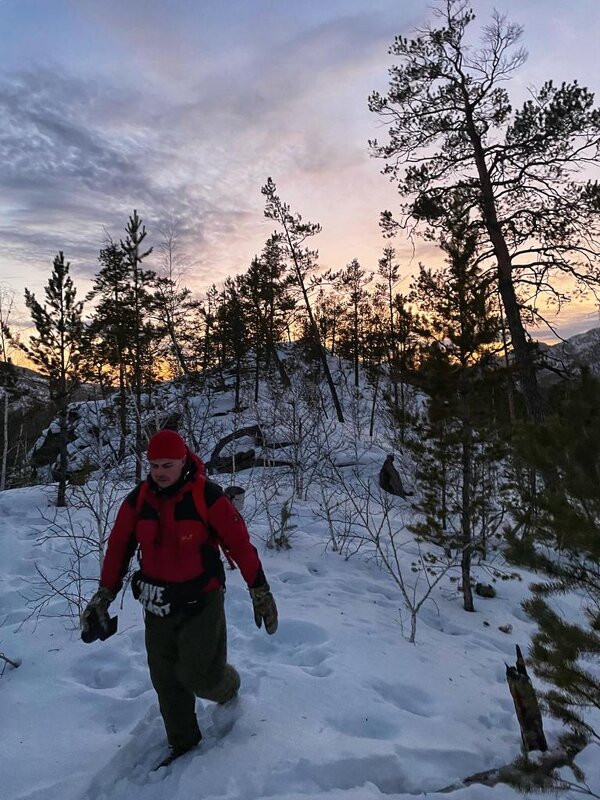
337, 705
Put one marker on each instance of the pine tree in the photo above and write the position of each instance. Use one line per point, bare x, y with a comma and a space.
143, 334
389, 272
376, 347
175, 308
8, 375
522, 172
329, 308
56, 350
110, 330
454, 433
351, 283
564, 543
124, 342
266, 289
232, 332
302, 261
208, 311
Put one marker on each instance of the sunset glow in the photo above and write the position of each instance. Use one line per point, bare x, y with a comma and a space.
182, 110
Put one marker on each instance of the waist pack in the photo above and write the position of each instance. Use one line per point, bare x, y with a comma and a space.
163, 599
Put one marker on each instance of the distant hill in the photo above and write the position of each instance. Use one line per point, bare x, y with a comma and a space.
569, 357
34, 385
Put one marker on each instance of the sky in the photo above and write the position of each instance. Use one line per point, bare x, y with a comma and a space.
182, 110
336, 705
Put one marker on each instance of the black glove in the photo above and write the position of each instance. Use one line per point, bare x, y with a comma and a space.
265, 609
95, 622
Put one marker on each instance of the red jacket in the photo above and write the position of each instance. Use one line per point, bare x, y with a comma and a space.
179, 540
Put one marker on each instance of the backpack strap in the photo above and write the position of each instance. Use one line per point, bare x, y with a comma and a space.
141, 497
199, 502
139, 502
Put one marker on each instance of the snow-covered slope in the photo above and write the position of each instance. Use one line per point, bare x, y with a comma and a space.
336, 705
581, 350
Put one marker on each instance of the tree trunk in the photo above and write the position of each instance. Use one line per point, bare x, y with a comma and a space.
285, 378
252, 431
314, 328
257, 356
526, 705
466, 529
374, 403
177, 349
61, 500
4, 443
356, 360
322, 353
238, 382
465, 566
522, 350
122, 400
509, 383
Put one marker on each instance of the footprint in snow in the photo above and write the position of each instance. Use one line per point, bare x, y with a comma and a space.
299, 644
316, 569
94, 673
294, 578
406, 698
365, 725
301, 777
133, 763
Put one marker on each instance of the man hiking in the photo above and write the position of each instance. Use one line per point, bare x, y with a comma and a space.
177, 520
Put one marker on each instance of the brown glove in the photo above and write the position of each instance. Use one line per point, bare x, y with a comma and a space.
265, 609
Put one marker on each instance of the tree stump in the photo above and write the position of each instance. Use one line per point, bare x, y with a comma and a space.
526, 705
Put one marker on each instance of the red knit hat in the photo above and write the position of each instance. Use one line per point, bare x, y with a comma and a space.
166, 444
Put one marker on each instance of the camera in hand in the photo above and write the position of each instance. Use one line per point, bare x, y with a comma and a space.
96, 631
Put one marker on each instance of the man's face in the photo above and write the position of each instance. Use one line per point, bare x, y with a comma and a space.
166, 471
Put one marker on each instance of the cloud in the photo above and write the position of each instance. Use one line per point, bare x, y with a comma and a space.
78, 153
75, 156
182, 111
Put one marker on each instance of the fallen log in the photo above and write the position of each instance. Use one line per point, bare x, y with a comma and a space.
530, 776
253, 431
245, 459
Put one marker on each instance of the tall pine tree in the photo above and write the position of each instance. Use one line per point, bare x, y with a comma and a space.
110, 330
524, 172
351, 283
175, 308
454, 435
56, 350
143, 334
302, 260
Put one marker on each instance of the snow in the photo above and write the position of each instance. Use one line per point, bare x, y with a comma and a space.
336, 705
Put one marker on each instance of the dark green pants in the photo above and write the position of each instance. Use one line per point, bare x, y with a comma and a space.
187, 656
